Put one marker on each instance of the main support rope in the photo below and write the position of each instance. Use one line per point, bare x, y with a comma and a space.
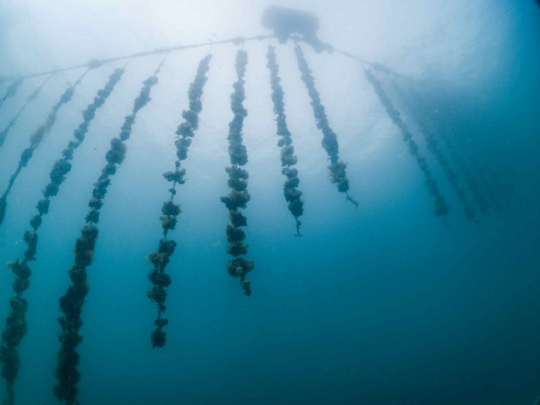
235, 41
96, 62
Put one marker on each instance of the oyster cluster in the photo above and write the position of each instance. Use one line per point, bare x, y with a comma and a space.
329, 142
170, 210
290, 188
441, 208
67, 373
16, 323
239, 196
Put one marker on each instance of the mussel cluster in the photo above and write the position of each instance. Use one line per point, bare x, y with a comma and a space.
441, 208
170, 210
239, 196
290, 188
16, 322
67, 373
329, 142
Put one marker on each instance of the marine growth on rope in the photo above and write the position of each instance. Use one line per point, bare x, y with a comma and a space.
239, 196
170, 211
71, 303
15, 328
441, 208
288, 159
11, 90
35, 140
329, 142
4, 133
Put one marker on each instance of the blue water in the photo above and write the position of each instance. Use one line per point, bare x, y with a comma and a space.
381, 304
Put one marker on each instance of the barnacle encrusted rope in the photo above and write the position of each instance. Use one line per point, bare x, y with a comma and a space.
31, 97
470, 180
433, 147
329, 142
11, 90
238, 197
440, 205
35, 140
15, 328
472, 183
71, 303
288, 159
486, 183
170, 210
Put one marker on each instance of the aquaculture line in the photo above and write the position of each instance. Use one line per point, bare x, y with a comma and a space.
420, 112
288, 159
440, 205
31, 97
11, 90
15, 328
71, 303
433, 147
329, 142
239, 196
170, 210
35, 140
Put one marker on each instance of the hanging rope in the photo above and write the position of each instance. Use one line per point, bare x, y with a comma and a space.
30, 98
15, 328
288, 159
329, 142
11, 90
433, 147
71, 303
239, 196
472, 184
486, 182
440, 205
470, 180
170, 210
35, 140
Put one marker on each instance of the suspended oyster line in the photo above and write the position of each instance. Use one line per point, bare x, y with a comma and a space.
239, 196
71, 303
472, 183
288, 159
170, 210
31, 97
35, 140
329, 142
441, 208
15, 328
12, 90
433, 147
487, 184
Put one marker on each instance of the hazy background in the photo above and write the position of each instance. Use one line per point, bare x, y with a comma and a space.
383, 304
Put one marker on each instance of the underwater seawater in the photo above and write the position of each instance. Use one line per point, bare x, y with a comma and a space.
244, 202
